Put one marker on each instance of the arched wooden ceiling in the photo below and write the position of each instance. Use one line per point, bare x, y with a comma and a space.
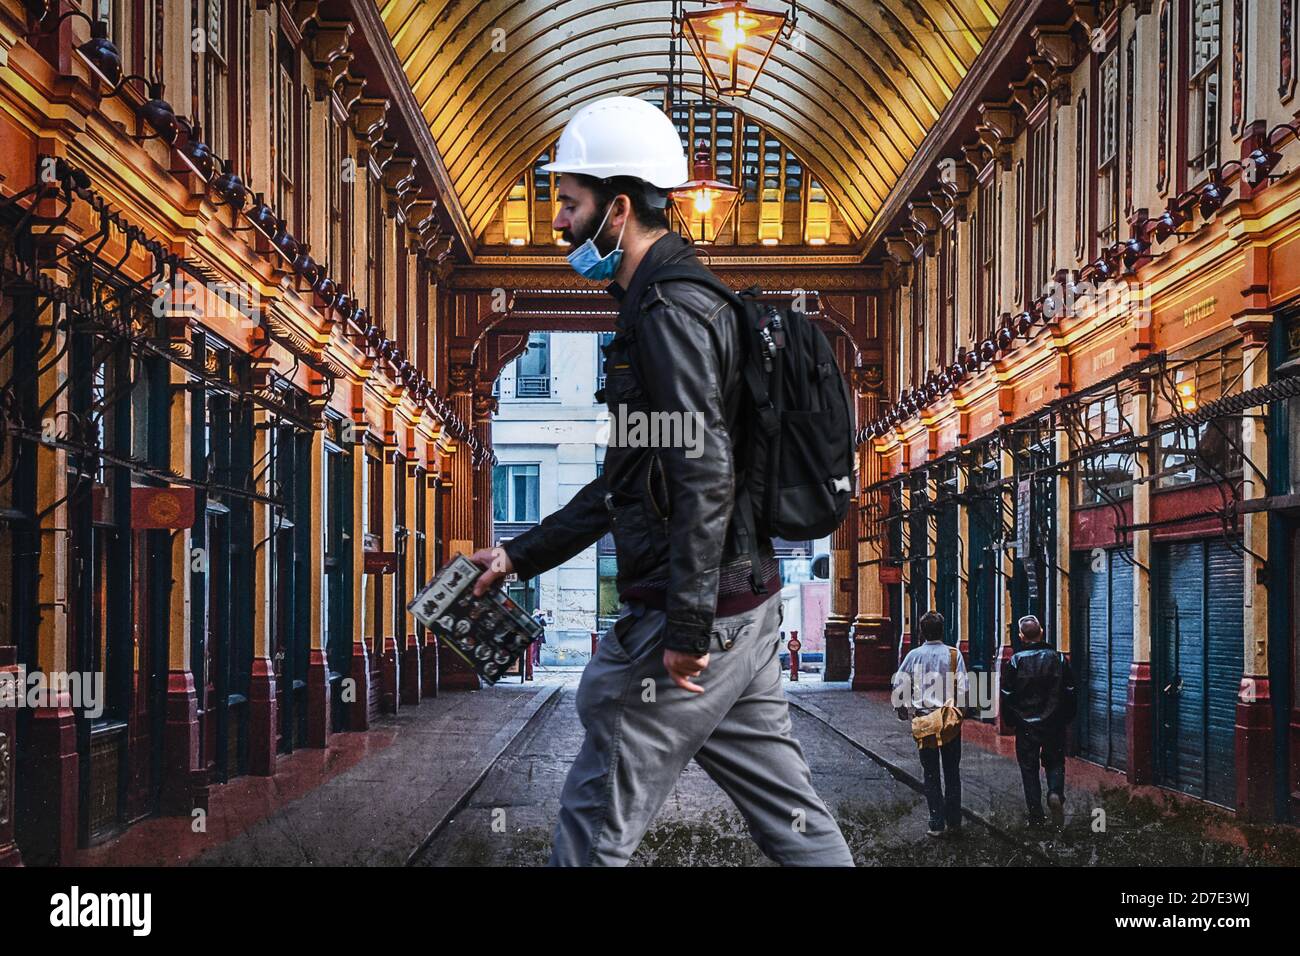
497, 79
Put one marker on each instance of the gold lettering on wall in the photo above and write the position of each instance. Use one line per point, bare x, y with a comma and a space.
1201, 310
1102, 359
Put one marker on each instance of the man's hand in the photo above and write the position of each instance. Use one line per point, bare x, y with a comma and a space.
498, 566
682, 667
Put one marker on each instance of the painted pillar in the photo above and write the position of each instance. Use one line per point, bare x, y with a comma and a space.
1254, 727
1139, 722
1007, 568
184, 785
318, 688
432, 492
356, 686
963, 622
873, 652
453, 672
386, 585
905, 549
1062, 543
409, 672
48, 800
263, 711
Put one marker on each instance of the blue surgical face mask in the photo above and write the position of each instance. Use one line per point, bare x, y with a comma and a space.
587, 260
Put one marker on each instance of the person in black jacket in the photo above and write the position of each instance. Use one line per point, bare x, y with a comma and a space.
690, 670
1038, 698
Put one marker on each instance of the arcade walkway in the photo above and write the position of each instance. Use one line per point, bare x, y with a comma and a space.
490, 794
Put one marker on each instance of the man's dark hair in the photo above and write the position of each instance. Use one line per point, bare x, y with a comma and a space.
646, 215
932, 626
1031, 629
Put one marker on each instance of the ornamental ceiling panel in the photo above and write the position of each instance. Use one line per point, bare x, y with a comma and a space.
853, 91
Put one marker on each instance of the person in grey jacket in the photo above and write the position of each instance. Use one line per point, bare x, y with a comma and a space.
690, 668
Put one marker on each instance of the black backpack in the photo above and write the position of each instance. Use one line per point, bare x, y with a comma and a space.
801, 460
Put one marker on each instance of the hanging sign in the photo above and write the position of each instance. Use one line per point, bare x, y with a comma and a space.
162, 508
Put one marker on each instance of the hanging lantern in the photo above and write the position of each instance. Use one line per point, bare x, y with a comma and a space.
732, 42
704, 204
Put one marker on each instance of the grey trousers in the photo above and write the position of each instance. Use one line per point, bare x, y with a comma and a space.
642, 730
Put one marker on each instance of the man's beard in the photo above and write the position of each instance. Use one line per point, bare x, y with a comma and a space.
571, 236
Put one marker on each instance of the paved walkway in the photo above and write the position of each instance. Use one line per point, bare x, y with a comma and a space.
1108, 821
366, 800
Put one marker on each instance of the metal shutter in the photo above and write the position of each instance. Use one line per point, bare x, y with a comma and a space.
1225, 651
1198, 672
1103, 651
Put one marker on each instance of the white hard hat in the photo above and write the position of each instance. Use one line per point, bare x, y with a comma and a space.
622, 136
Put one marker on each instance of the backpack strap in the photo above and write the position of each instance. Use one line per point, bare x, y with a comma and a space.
768, 417
684, 270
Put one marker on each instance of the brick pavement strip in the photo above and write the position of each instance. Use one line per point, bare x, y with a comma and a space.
381, 811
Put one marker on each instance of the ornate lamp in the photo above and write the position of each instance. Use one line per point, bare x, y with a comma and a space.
704, 204
732, 42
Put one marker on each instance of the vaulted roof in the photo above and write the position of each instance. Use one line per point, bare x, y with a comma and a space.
853, 93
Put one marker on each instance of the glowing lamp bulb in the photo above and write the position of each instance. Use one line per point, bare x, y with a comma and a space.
703, 201
733, 34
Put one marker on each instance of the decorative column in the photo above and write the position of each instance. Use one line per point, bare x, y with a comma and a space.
1006, 465
1254, 728
409, 673
184, 781
318, 687
1061, 544
485, 406
356, 686
873, 652
1139, 721
963, 623
433, 496
453, 672
386, 589
47, 804
263, 710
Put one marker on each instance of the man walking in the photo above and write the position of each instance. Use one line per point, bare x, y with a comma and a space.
1038, 698
929, 676
690, 668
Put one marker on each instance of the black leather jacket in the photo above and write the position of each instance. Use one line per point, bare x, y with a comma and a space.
669, 508
1037, 690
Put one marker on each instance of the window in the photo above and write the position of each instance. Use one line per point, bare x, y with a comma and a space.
1081, 178
1108, 151
751, 164
919, 330
1203, 89
948, 294
1108, 476
533, 368
986, 239
211, 75
375, 260
515, 493
1017, 293
1040, 226
287, 137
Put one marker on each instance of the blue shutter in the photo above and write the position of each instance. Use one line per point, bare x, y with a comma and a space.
1225, 651
1121, 655
1103, 625
1092, 625
1180, 682
1199, 608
